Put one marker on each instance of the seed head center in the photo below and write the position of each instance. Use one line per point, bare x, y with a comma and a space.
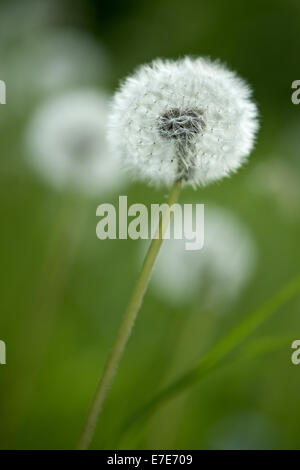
181, 124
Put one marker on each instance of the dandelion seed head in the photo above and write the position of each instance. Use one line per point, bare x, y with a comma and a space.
217, 273
67, 146
51, 62
191, 119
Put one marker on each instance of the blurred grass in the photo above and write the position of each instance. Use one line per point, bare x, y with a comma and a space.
261, 41
216, 356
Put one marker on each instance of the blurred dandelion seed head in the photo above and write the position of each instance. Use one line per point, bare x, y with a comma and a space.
51, 62
190, 118
278, 179
217, 273
66, 141
16, 12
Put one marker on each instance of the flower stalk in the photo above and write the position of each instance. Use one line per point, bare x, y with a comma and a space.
127, 324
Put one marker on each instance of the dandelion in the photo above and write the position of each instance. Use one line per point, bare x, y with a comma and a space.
217, 273
277, 179
66, 143
51, 62
61, 58
190, 121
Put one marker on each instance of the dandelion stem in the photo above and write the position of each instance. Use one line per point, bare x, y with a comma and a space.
127, 324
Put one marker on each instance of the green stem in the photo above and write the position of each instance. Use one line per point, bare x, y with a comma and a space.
126, 325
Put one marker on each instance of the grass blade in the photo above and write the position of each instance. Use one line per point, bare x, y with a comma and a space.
219, 353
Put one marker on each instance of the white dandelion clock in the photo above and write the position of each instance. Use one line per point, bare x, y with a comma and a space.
66, 142
217, 273
189, 119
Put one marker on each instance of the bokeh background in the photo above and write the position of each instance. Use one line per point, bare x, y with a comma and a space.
63, 291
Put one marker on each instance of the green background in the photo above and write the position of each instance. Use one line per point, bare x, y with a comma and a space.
57, 341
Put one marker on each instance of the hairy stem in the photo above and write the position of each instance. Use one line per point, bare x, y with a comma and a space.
126, 325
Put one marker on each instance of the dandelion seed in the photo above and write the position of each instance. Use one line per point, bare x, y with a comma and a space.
193, 112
